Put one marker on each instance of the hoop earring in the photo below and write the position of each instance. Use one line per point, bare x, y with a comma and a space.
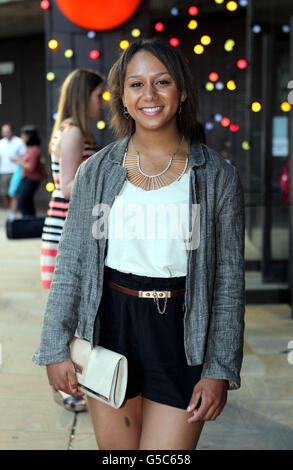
180, 107
125, 112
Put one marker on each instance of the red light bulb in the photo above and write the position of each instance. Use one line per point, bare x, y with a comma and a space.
242, 64
174, 42
225, 122
234, 127
213, 77
94, 54
159, 27
193, 11
45, 4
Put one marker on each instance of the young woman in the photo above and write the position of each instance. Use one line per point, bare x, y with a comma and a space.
31, 173
166, 291
72, 142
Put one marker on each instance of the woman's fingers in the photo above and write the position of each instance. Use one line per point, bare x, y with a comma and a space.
200, 413
217, 412
62, 377
73, 384
213, 399
194, 401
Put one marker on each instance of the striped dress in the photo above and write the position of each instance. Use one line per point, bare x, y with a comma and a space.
56, 213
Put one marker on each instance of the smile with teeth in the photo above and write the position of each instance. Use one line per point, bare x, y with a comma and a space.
152, 111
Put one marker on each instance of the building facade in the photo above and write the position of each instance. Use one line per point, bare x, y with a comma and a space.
244, 106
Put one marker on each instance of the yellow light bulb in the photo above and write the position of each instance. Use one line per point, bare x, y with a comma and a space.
285, 106
231, 85
135, 32
106, 96
50, 187
232, 6
198, 49
192, 24
205, 40
50, 76
229, 44
245, 145
209, 86
101, 125
256, 106
219, 2
53, 44
124, 44
68, 53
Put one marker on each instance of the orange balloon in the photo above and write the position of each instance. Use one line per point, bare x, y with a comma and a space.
98, 15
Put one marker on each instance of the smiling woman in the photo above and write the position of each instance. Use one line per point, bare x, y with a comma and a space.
172, 304
151, 92
172, 70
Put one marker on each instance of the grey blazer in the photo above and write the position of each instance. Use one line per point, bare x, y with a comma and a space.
215, 285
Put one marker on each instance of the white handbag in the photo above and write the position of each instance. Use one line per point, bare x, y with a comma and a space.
101, 373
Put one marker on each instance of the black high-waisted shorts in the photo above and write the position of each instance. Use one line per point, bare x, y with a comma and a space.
152, 342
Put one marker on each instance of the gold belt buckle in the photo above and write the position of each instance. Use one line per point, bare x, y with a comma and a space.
156, 295
152, 294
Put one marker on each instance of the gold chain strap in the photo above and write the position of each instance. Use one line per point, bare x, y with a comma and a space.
157, 302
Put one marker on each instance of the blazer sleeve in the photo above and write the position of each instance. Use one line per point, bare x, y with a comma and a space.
60, 319
224, 349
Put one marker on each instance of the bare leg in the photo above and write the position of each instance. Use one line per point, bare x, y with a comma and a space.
13, 204
116, 429
7, 201
166, 427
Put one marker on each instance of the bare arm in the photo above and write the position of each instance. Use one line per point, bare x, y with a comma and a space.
70, 155
24, 165
29, 159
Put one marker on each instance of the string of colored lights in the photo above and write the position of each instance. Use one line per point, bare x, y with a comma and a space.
214, 83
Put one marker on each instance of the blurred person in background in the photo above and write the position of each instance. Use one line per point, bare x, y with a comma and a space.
12, 148
31, 171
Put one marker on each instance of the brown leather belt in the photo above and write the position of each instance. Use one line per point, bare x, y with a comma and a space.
151, 294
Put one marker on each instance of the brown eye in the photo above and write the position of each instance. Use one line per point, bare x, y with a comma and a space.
163, 82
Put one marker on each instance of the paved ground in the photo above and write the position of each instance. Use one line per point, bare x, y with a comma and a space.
258, 416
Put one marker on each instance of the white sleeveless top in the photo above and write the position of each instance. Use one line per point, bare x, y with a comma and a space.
148, 229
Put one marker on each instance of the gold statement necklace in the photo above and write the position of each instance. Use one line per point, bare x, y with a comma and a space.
173, 171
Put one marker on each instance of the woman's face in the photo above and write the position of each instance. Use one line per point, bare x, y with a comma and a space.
150, 93
96, 102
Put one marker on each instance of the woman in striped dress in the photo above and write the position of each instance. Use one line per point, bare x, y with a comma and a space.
71, 143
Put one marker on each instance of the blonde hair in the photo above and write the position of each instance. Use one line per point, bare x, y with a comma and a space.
74, 101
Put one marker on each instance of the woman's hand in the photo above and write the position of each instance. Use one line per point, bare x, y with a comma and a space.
62, 377
213, 395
